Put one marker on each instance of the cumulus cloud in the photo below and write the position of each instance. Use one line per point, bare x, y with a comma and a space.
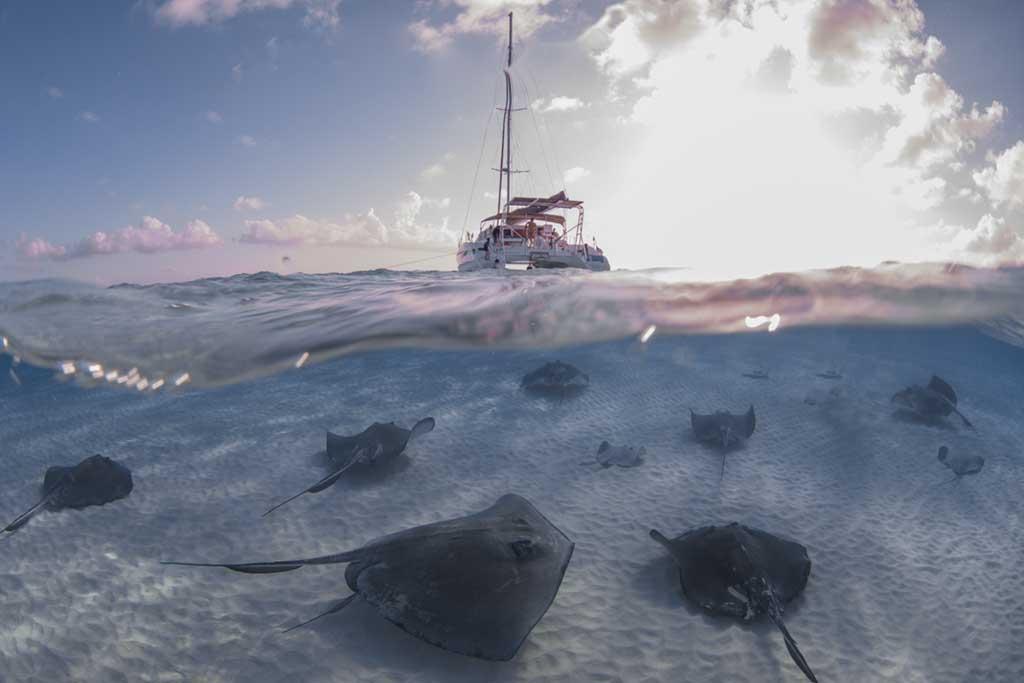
316, 13
479, 17
243, 203
575, 173
861, 134
438, 168
246, 140
213, 116
89, 117
993, 240
407, 229
54, 92
1003, 178
558, 104
236, 73
150, 236
630, 35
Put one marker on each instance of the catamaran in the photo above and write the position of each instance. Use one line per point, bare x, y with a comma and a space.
534, 232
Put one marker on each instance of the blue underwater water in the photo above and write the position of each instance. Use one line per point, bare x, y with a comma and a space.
915, 574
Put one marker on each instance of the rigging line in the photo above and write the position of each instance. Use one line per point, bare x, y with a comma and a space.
479, 160
420, 260
547, 128
540, 138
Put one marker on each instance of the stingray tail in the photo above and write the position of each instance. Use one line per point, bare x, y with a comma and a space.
794, 651
273, 567
337, 607
324, 483
966, 421
23, 518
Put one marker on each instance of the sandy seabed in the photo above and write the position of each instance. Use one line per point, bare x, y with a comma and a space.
912, 580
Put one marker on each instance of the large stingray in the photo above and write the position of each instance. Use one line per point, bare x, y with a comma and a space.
476, 585
97, 480
375, 445
740, 572
937, 400
723, 428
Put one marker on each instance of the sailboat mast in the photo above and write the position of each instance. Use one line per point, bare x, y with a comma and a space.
505, 164
508, 117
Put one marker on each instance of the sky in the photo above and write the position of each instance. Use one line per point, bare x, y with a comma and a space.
162, 140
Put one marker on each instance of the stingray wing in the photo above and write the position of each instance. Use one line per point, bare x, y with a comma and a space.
941, 386
705, 427
784, 562
744, 424
701, 559
476, 585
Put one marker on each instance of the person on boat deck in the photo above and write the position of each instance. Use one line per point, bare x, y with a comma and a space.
531, 232
496, 233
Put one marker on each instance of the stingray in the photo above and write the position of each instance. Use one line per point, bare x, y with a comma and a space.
740, 572
830, 374
475, 585
932, 402
97, 480
621, 456
756, 374
375, 445
723, 428
556, 379
961, 464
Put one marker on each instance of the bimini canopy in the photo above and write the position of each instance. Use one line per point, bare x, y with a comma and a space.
542, 204
520, 217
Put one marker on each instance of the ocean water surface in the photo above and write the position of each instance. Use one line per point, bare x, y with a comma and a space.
217, 394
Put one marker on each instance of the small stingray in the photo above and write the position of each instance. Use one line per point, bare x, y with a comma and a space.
740, 572
756, 374
829, 374
621, 456
961, 464
724, 429
97, 480
475, 585
556, 379
375, 445
930, 403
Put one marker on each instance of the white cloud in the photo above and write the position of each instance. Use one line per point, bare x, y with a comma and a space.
54, 92
320, 14
150, 236
89, 117
236, 72
243, 203
213, 116
558, 104
438, 168
824, 120
246, 140
407, 229
575, 173
298, 229
992, 241
1003, 179
479, 17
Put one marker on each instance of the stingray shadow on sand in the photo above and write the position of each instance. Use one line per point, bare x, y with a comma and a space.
907, 416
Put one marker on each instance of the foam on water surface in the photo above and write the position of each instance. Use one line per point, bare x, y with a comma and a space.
910, 581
